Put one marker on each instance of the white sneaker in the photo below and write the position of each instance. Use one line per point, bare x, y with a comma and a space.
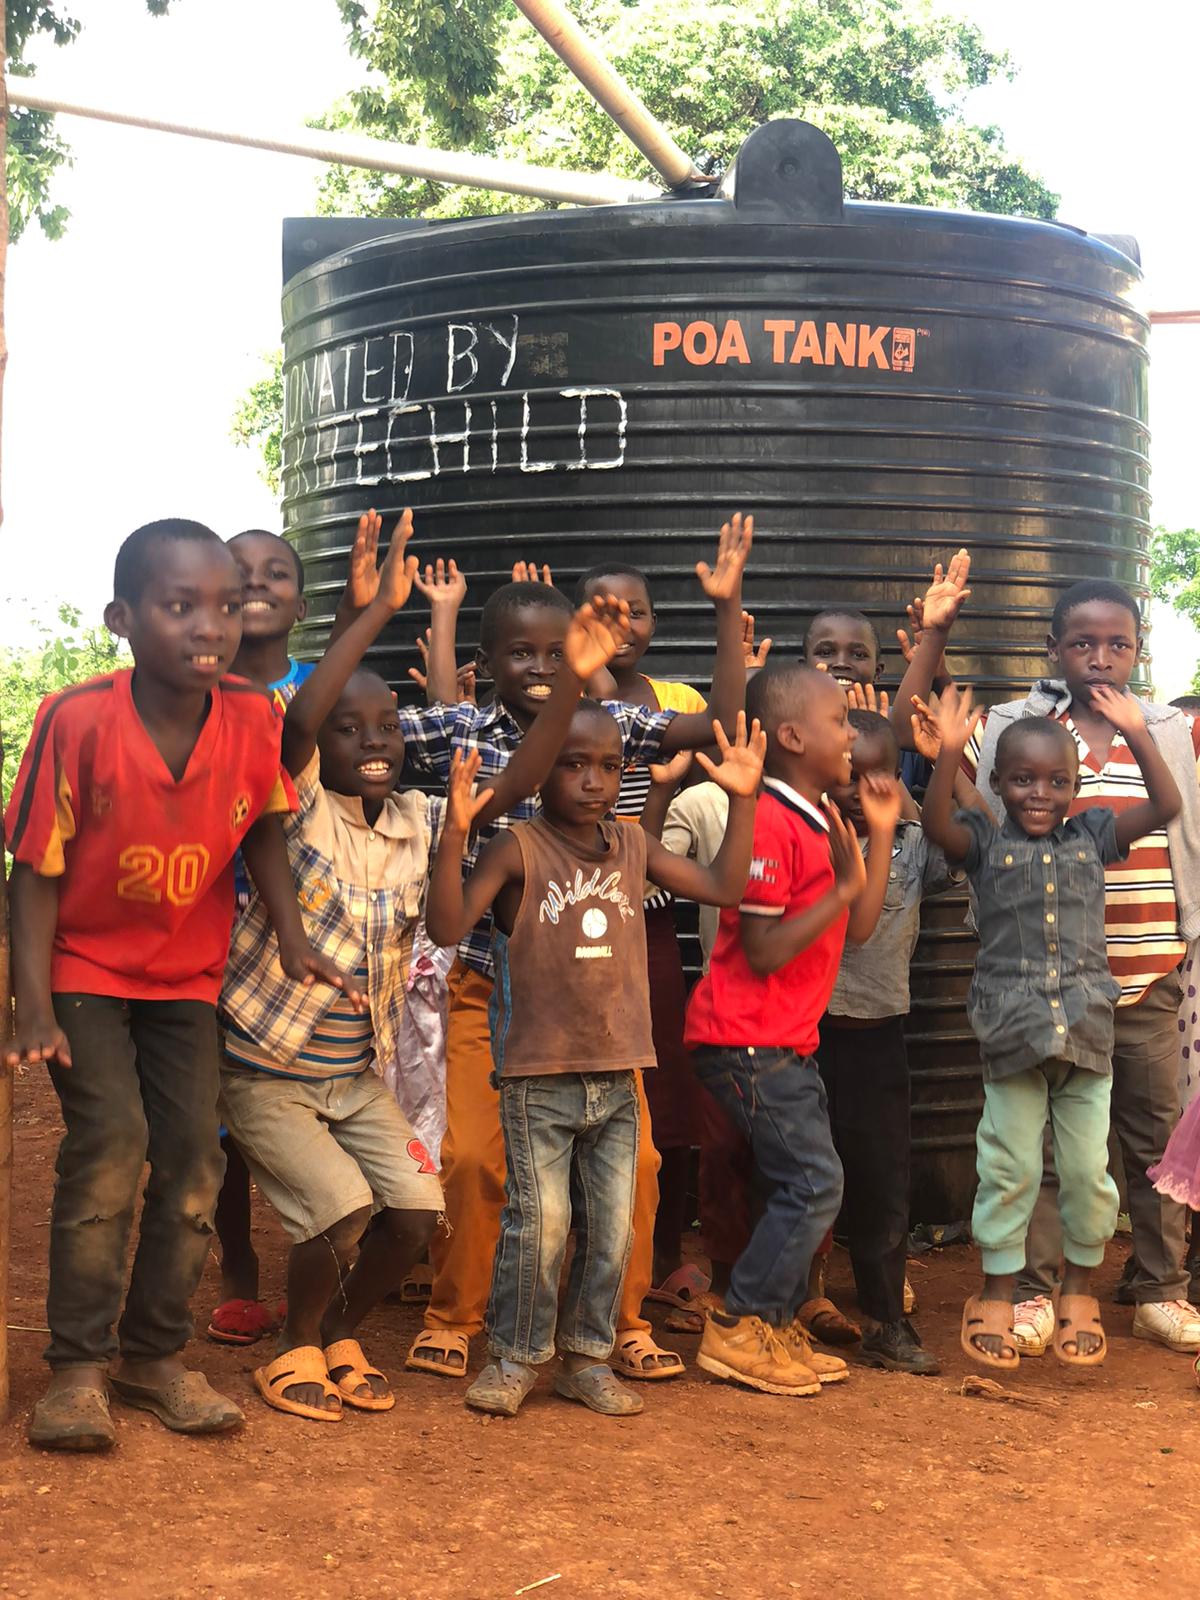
1033, 1325
1174, 1323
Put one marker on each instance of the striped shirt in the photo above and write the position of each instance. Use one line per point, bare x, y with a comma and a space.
340, 1046
1141, 917
635, 780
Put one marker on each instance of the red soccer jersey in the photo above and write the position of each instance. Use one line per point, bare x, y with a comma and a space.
732, 1006
145, 863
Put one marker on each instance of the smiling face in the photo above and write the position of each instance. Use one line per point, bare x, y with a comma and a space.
525, 654
844, 647
1099, 643
582, 788
271, 600
818, 736
362, 748
185, 627
642, 621
1036, 776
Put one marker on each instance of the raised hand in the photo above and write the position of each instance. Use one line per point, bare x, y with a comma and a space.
956, 718
724, 580
756, 655
916, 621
399, 571
595, 633
443, 584
464, 676
740, 769
946, 593
39, 1040
362, 581
462, 806
865, 697
1122, 710
849, 868
880, 798
927, 736
309, 966
671, 773
527, 572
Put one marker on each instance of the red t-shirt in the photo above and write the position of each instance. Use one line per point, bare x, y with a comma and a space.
145, 863
732, 1006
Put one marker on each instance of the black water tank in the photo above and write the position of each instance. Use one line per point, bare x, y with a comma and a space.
878, 383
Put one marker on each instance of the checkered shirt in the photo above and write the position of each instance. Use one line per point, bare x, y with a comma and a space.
433, 733
354, 925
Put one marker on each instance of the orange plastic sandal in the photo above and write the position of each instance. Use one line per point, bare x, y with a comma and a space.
993, 1317
348, 1354
636, 1349
304, 1364
432, 1349
1075, 1314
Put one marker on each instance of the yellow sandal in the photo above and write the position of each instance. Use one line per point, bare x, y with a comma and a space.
348, 1353
635, 1349
443, 1343
304, 1364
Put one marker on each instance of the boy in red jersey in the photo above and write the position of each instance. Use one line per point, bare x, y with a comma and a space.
752, 1019
134, 793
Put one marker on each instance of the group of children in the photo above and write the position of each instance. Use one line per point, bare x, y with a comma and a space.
223, 897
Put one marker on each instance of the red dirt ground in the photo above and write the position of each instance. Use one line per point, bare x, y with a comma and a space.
887, 1487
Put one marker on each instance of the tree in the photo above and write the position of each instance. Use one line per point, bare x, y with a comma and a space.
886, 79
1175, 575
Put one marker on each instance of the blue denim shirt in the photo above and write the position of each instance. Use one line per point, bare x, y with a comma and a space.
1042, 989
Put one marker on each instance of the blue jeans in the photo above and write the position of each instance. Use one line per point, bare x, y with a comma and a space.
777, 1099
570, 1144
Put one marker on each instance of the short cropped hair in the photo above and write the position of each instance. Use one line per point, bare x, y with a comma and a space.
513, 597
265, 533
611, 569
1187, 702
779, 691
594, 711
1036, 728
855, 616
1084, 593
871, 725
135, 558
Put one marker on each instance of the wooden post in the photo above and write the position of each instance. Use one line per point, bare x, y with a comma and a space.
6, 1077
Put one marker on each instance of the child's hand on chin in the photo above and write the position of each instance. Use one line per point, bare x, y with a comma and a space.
741, 765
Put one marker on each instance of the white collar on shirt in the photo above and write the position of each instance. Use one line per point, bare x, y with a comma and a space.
786, 792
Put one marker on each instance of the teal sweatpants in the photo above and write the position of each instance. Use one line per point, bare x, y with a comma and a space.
1009, 1162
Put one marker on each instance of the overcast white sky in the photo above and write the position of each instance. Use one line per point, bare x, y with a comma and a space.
131, 338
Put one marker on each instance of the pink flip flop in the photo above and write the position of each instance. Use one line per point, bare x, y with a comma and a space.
681, 1287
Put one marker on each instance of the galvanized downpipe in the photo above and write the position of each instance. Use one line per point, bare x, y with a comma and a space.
610, 91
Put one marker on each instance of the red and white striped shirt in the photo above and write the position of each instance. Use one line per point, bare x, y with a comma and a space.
1141, 917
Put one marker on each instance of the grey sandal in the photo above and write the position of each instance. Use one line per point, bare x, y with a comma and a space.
599, 1389
501, 1387
188, 1404
73, 1419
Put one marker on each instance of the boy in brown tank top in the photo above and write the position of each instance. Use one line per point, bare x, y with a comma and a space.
570, 1024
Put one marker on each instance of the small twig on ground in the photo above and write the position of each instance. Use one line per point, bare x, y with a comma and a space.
553, 1578
988, 1389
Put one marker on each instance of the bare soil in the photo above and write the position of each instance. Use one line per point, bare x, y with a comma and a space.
887, 1486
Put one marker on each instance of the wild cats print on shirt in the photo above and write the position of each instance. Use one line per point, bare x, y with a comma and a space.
593, 922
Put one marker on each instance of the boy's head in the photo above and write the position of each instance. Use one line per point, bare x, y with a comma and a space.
583, 784
272, 584
1188, 702
875, 750
809, 734
361, 746
844, 643
629, 584
177, 598
521, 635
1095, 636
1036, 773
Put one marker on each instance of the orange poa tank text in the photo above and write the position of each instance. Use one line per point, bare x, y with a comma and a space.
784, 341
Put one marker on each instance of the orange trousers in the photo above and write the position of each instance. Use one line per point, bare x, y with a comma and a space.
473, 1177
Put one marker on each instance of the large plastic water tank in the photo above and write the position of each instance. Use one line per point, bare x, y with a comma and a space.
878, 384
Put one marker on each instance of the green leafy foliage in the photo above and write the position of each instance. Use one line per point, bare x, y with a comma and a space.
258, 419
34, 152
1175, 575
68, 653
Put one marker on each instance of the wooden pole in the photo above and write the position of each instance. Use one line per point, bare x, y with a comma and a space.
6, 1077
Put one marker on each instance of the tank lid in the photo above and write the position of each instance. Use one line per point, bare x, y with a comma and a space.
785, 171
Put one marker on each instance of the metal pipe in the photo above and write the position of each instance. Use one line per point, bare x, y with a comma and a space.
606, 85
1174, 316
413, 160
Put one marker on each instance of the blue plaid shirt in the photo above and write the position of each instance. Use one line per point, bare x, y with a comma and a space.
433, 733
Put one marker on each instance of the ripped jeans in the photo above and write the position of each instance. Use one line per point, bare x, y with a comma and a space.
143, 1087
